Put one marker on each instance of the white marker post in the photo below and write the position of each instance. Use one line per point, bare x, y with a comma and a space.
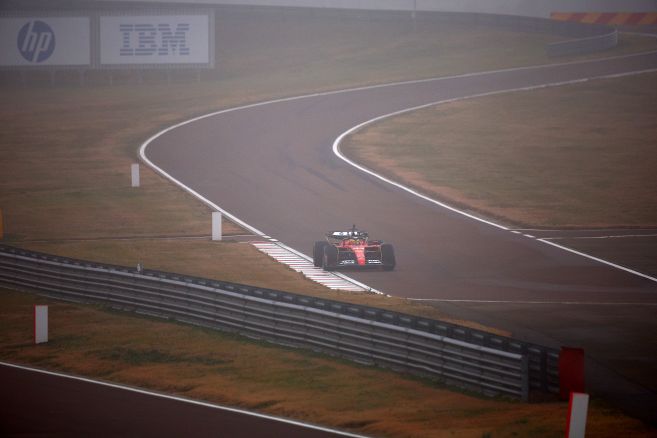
135, 175
40, 324
577, 410
216, 225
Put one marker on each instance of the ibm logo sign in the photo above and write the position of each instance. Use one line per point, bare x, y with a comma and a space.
116, 39
36, 41
150, 39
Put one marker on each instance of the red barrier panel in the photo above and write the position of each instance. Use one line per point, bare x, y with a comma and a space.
571, 371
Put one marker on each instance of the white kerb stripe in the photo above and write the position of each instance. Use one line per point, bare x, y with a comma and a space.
303, 265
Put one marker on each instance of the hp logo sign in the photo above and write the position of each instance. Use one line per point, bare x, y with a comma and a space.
36, 41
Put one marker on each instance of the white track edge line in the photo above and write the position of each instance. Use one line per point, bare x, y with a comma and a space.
597, 259
181, 399
339, 154
613, 236
582, 230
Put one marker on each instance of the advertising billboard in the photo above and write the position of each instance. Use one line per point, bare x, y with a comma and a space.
155, 39
45, 41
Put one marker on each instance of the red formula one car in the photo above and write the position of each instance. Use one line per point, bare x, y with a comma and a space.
352, 249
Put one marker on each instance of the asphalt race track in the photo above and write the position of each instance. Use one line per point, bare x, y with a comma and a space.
37, 404
272, 166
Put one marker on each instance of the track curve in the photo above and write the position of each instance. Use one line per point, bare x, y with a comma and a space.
272, 166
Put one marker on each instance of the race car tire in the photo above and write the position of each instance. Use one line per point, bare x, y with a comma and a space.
388, 257
330, 259
318, 253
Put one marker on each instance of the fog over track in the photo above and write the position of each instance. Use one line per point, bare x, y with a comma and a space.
272, 166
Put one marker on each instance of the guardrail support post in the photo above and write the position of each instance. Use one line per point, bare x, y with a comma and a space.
216, 225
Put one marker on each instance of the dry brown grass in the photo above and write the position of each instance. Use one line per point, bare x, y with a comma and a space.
575, 156
67, 172
222, 368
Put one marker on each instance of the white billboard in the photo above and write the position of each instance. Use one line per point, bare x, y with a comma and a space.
155, 39
45, 41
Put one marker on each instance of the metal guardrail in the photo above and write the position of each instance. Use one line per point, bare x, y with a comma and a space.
456, 355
